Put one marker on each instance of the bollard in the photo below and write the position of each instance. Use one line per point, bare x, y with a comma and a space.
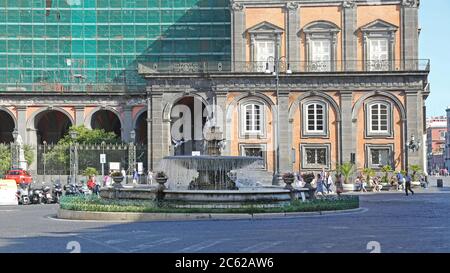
440, 183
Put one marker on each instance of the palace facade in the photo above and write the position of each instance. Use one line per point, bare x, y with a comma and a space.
305, 84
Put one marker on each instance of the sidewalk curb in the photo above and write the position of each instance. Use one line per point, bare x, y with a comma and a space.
146, 217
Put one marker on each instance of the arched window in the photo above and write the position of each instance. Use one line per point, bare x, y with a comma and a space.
253, 113
315, 118
252, 118
379, 118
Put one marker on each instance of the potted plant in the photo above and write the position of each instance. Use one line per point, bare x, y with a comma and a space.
117, 177
415, 172
385, 180
347, 170
161, 179
289, 179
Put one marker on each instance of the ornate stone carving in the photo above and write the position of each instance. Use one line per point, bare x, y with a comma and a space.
236, 6
291, 6
349, 4
411, 3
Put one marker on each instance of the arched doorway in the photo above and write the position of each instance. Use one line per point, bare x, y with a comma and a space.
106, 120
6, 127
188, 119
51, 126
141, 128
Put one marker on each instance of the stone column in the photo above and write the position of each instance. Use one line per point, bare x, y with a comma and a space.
349, 38
238, 42
127, 125
414, 126
293, 40
348, 127
283, 126
156, 150
79, 115
410, 34
22, 123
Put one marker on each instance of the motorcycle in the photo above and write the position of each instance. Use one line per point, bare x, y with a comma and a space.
46, 195
22, 194
36, 196
57, 193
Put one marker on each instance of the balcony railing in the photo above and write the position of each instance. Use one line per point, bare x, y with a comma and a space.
294, 67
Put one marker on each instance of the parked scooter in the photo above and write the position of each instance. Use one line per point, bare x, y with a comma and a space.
72, 189
36, 196
46, 195
57, 192
22, 194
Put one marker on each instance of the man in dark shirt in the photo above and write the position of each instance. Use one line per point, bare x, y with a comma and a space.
408, 184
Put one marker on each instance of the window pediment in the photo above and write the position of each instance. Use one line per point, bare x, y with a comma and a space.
265, 28
320, 27
379, 26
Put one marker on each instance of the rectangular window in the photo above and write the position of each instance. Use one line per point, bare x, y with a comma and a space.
379, 155
315, 156
378, 55
254, 150
320, 55
265, 52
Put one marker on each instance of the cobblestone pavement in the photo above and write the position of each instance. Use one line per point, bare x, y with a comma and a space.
419, 223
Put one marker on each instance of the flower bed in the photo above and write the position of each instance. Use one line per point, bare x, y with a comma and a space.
81, 203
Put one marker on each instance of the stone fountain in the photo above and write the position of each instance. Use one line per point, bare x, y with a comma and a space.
206, 181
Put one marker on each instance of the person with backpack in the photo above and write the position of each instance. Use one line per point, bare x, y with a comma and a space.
408, 184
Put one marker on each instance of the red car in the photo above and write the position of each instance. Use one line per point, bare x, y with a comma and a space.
20, 176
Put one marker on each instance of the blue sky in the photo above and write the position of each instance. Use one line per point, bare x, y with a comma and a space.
435, 45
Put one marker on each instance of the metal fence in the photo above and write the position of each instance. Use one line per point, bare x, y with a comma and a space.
55, 159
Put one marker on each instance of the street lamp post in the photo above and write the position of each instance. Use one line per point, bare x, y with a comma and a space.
74, 157
276, 72
103, 164
132, 153
45, 160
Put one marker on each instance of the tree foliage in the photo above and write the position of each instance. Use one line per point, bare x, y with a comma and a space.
59, 155
6, 160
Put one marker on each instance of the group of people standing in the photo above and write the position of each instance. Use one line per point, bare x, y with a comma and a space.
136, 177
324, 183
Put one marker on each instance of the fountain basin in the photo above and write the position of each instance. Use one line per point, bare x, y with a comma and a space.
260, 197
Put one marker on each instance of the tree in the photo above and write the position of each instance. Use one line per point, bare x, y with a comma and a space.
5, 158
59, 154
90, 172
346, 170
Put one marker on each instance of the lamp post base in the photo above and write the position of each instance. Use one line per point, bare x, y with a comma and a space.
277, 179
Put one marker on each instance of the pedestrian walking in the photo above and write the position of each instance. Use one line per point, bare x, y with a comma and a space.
329, 183
400, 181
339, 184
408, 184
150, 177
135, 176
320, 185
124, 174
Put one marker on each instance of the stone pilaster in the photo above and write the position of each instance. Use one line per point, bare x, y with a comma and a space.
238, 42
283, 126
156, 149
348, 127
79, 115
349, 39
22, 123
414, 126
221, 108
127, 125
410, 33
293, 40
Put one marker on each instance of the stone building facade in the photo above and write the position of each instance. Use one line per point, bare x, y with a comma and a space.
309, 85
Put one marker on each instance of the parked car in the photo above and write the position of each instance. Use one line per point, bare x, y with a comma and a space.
21, 176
